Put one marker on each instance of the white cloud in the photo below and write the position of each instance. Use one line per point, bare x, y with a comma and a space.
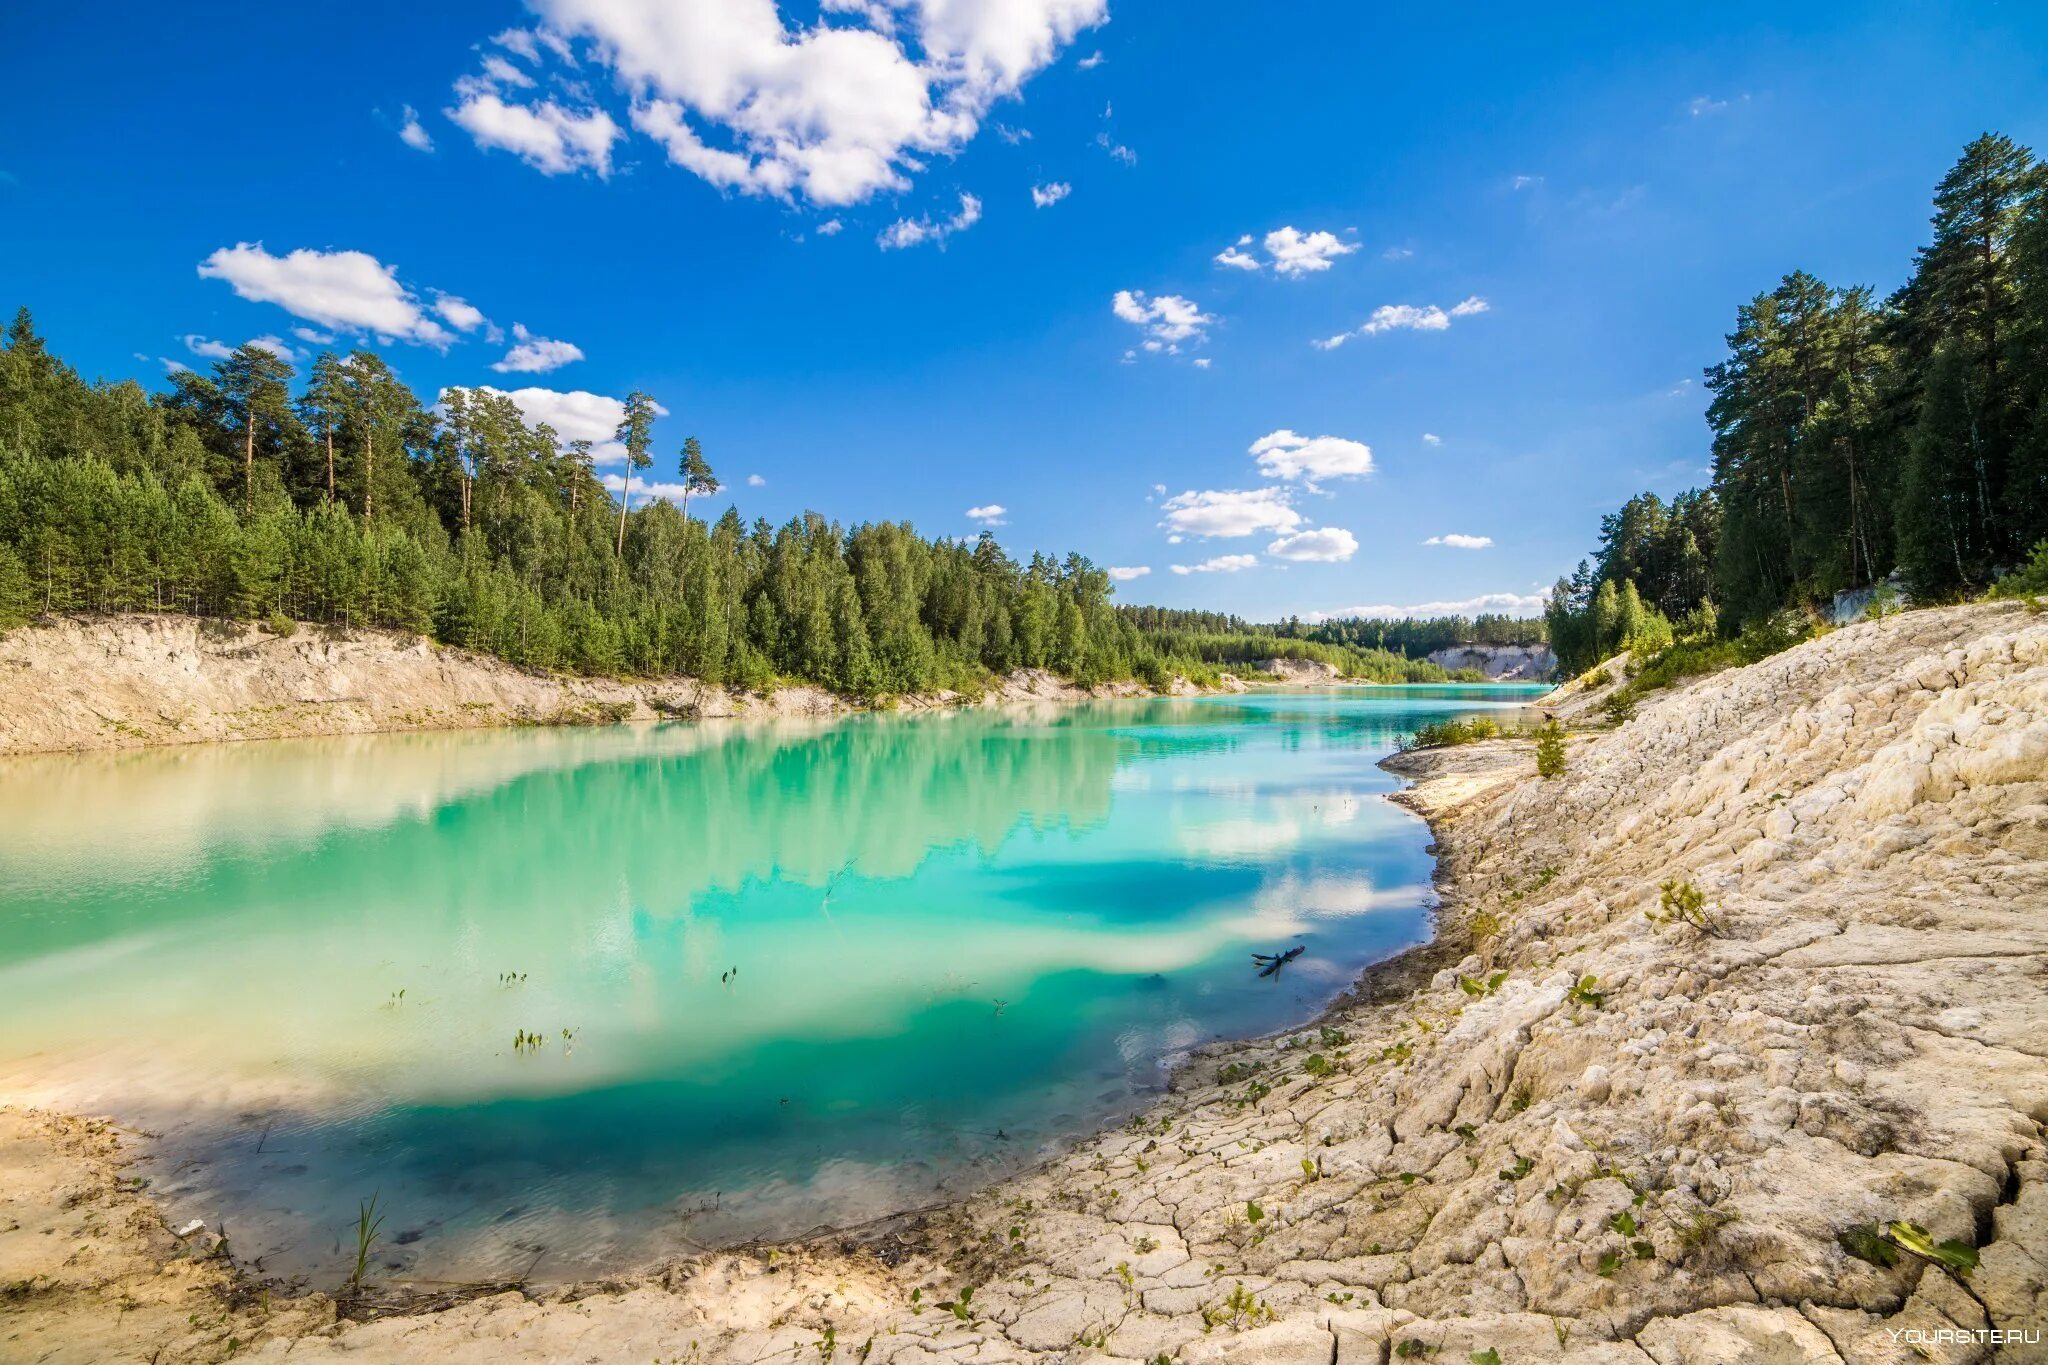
1013, 136
1299, 253
1090, 62
412, 134
1122, 574
1117, 151
831, 227
644, 488
1393, 317
463, 315
1202, 363
1237, 259
519, 41
907, 232
1525, 182
312, 336
1507, 603
345, 290
1430, 438
833, 112
1230, 512
536, 354
756, 481
277, 346
1045, 196
1284, 454
1397, 253
207, 347
1220, 564
544, 135
1167, 320
1460, 542
991, 515
1330, 545
1704, 105
497, 69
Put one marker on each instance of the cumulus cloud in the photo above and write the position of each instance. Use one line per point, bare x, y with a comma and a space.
1090, 62
1289, 250
1329, 545
277, 346
991, 515
1045, 196
1124, 574
1202, 363
1220, 564
548, 137
207, 347
1304, 253
463, 315
412, 134
832, 112
1460, 542
1394, 317
313, 336
906, 232
1525, 182
1507, 603
1167, 321
830, 227
348, 291
756, 481
1284, 454
1229, 512
1430, 438
1702, 105
536, 354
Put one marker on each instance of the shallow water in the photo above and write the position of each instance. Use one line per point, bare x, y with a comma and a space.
783, 975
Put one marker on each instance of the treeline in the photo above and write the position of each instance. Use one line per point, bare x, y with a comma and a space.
1855, 440
1413, 639
350, 502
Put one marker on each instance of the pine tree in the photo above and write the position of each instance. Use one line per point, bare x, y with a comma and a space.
696, 473
636, 433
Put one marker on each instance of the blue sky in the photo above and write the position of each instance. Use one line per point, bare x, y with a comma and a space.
1598, 190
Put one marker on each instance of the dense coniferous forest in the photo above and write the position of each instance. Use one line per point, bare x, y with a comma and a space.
1855, 440
349, 502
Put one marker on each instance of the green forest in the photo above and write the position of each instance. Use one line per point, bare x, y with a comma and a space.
343, 500
1857, 442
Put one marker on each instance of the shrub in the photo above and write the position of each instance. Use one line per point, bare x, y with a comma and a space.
2029, 578
1550, 750
1439, 733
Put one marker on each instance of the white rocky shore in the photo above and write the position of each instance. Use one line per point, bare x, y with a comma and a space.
129, 681
1483, 1154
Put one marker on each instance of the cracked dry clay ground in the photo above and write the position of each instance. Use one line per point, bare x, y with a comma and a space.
1656, 1174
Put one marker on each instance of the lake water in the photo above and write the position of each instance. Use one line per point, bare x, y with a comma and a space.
782, 974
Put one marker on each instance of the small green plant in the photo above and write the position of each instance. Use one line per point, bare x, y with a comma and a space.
1466, 1132
963, 1306
1123, 1272
1520, 1098
1680, 902
1239, 1309
1959, 1258
1523, 1165
1489, 1356
1610, 1261
1485, 924
1550, 751
1582, 993
1252, 1212
1319, 1066
369, 1223
1411, 1349
1479, 989
1311, 1171
1333, 1037
1437, 733
829, 1342
1620, 707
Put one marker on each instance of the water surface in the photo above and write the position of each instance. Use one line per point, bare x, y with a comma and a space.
782, 975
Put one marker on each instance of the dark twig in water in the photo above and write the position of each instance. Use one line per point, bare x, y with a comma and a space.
1271, 963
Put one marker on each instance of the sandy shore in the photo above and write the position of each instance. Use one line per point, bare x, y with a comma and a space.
1567, 1130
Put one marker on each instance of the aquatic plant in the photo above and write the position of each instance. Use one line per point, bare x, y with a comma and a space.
369, 1222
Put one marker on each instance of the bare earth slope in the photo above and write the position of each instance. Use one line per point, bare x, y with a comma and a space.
1465, 1156
126, 681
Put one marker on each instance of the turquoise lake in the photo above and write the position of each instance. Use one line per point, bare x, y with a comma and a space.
783, 975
